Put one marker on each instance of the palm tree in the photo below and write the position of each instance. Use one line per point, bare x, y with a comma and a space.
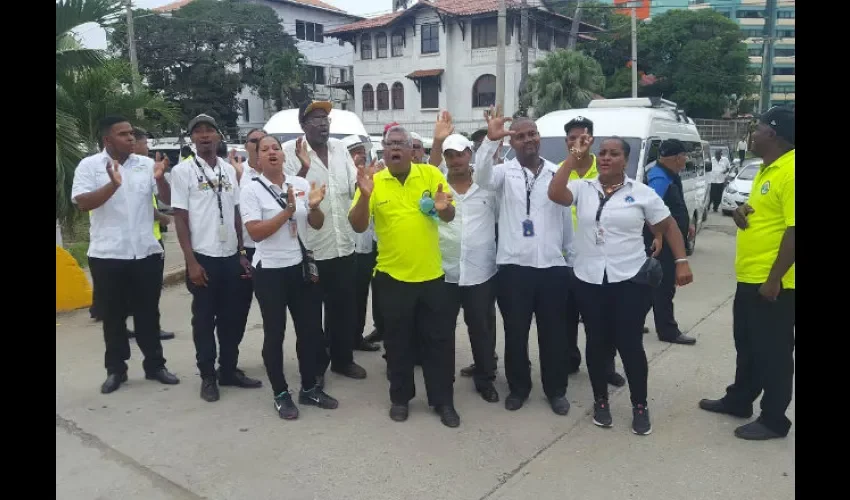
565, 79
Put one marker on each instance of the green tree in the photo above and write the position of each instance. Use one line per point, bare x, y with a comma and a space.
565, 79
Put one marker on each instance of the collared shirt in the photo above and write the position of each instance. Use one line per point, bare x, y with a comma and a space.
121, 227
552, 223
468, 243
591, 173
336, 237
719, 169
281, 249
365, 241
408, 240
773, 199
621, 251
248, 174
742, 145
191, 191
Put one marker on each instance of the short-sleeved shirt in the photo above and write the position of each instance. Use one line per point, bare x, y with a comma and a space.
772, 198
281, 249
621, 252
408, 239
248, 175
591, 173
193, 188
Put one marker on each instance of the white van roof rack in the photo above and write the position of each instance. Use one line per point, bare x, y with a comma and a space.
641, 102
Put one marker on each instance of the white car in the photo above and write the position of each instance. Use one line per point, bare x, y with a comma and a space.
737, 192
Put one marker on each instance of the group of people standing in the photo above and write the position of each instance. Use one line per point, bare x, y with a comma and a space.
309, 223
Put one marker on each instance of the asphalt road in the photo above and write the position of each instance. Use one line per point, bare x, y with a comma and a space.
151, 442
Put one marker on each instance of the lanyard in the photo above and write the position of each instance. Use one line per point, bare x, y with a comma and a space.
603, 200
278, 198
529, 186
210, 184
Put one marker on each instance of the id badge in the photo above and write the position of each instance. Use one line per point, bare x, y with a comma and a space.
600, 236
293, 228
527, 228
222, 233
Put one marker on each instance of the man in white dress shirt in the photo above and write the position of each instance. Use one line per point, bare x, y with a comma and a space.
534, 233
205, 198
719, 168
468, 247
321, 159
125, 259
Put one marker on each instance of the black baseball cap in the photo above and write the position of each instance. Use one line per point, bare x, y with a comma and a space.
671, 147
781, 120
308, 107
579, 122
202, 118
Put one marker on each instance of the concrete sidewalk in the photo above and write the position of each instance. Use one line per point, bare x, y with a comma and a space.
149, 442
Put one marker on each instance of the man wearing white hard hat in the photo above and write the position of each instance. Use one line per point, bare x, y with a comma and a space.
468, 247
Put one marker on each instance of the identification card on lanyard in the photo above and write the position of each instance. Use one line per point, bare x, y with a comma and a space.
600, 233
528, 224
222, 228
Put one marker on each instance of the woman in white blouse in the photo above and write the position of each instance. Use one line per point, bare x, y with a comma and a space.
275, 210
613, 287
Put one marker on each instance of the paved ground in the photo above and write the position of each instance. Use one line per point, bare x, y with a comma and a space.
150, 442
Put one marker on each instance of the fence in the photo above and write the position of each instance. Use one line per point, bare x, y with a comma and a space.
426, 129
722, 132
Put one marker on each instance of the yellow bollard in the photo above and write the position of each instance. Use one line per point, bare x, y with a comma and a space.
73, 290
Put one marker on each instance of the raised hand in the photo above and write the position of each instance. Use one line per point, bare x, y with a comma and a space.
581, 148
444, 126
442, 199
496, 124
160, 166
236, 162
302, 153
365, 180
113, 172
317, 194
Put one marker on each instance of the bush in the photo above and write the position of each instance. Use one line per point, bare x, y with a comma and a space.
79, 250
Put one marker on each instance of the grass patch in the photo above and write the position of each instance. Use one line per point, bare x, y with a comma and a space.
78, 250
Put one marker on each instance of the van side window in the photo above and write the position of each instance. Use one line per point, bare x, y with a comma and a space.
652, 151
694, 164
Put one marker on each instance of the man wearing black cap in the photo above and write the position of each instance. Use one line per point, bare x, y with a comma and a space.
664, 178
205, 198
325, 161
763, 311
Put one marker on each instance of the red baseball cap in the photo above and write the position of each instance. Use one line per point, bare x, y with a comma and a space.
388, 126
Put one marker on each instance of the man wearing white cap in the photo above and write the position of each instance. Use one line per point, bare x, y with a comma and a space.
468, 247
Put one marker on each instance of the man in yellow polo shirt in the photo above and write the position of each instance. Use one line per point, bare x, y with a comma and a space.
405, 200
764, 300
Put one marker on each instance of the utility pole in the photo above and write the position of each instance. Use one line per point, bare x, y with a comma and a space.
523, 48
134, 61
571, 43
767, 58
634, 53
501, 29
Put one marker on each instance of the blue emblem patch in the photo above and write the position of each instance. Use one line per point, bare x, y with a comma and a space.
629, 199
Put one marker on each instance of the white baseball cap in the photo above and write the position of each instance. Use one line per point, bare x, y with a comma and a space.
456, 142
353, 141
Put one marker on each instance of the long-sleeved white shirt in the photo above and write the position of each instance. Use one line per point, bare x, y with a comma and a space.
468, 243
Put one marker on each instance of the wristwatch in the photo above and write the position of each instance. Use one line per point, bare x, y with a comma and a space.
243, 252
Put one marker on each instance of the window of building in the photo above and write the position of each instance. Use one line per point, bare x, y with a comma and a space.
755, 52
484, 91
368, 98
342, 75
484, 33
785, 14
749, 14
753, 33
381, 46
784, 71
785, 33
316, 75
430, 34
366, 47
246, 112
397, 43
430, 93
383, 94
544, 38
561, 39
398, 95
784, 52
311, 32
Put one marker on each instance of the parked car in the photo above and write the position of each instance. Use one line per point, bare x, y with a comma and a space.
737, 192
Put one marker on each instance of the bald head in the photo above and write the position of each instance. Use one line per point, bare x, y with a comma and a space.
522, 121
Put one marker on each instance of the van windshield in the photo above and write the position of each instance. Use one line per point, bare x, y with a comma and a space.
554, 149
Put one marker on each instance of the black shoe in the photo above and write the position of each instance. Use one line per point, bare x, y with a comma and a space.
353, 370
286, 409
468, 371
560, 405
366, 346
373, 337
113, 382
399, 412
602, 413
616, 379
488, 393
680, 339
756, 431
237, 378
163, 335
645, 330
514, 402
317, 397
448, 415
640, 421
320, 382
209, 389
720, 406
163, 376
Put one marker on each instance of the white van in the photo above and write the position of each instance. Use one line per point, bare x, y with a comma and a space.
285, 126
643, 123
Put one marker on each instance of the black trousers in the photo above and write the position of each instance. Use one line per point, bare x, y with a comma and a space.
416, 314
337, 287
742, 154
218, 308
94, 310
573, 351
479, 314
764, 341
613, 319
524, 292
365, 269
666, 326
278, 289
126, 286
716, 195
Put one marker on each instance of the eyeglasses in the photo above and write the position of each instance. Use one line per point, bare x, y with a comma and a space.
318, 120
253, 141
396, 144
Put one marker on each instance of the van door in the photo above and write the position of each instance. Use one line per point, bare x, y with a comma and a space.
693, 180
650, 154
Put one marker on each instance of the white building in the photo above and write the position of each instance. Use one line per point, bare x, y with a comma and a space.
437, 55
329, 59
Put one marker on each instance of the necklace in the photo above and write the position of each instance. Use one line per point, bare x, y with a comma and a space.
611, 188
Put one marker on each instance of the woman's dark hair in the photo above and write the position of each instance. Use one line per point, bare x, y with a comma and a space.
185, 151
221, 150
255, 130
623, 144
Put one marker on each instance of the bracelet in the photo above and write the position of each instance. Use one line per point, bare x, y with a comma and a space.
681, 261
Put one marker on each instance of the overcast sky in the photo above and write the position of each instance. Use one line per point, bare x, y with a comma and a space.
95, 37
